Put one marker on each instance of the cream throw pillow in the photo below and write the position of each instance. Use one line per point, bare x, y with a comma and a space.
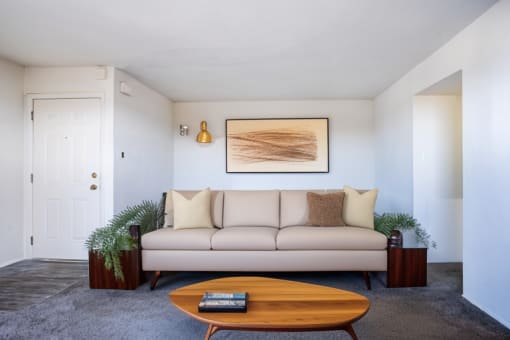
359, 207
193, 213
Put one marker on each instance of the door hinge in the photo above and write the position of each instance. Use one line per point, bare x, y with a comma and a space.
32, 115
31, 240
31, 178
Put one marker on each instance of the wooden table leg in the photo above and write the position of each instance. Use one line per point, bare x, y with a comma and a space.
155, 279
351, 332
366, 276
213, 329
210, 331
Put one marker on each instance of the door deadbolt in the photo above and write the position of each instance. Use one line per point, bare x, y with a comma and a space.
93, 187
94, 175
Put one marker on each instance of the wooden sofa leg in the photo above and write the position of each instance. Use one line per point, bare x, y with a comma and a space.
366, 276
155, 279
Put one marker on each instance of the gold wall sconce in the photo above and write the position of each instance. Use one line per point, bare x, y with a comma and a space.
204, 136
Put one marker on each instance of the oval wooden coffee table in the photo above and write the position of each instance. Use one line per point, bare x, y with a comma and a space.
275, 305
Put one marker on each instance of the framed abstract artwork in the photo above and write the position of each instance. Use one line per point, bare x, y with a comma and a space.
285, 145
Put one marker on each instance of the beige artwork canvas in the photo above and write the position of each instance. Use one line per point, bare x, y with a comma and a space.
277, 145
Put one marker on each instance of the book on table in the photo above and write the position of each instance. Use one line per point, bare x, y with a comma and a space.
223, 302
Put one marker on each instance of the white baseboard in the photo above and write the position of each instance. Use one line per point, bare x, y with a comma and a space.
10, 262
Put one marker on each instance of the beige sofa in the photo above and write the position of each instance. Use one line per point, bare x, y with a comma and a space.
262, 231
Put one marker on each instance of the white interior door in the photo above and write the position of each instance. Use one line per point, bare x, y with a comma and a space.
67, 182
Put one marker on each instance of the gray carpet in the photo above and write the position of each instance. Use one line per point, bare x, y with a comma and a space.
77, 312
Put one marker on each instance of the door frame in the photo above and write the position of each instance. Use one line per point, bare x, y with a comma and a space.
105, 166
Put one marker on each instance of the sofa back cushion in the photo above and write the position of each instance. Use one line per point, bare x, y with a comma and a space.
216, 206
294, 206
251, 208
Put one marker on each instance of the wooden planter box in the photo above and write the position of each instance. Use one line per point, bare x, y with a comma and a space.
131, 262
102, 278
407, 267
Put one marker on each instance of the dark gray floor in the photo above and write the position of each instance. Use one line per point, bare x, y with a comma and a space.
29, 282
77, 312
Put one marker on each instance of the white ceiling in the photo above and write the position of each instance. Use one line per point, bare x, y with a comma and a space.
238, 49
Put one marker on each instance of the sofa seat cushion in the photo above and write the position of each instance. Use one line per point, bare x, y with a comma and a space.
329, 238
178, 239
245, 238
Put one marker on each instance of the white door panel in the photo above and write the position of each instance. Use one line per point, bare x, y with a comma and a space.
66, 151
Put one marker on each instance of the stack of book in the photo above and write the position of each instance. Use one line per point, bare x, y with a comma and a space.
223, 302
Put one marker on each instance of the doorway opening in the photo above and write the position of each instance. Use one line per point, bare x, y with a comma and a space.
437, 166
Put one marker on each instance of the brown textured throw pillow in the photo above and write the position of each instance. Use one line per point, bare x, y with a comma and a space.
325, 210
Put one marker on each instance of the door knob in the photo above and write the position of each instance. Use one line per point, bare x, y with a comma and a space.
93, 187
94, 175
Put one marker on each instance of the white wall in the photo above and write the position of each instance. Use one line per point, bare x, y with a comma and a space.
11, 162
393, 149
350, 144
437, 150
143, 131
482, 52
60, 82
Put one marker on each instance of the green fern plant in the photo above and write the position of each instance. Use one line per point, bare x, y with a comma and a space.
387, 222
111, 240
